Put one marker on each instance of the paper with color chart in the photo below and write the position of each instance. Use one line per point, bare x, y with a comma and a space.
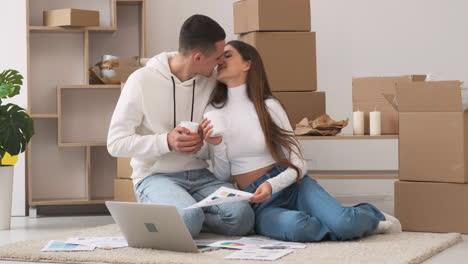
256, 243
56, 246
221, 196
259, 254
100, 242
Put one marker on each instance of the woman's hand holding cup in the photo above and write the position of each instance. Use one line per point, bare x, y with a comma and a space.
207, 129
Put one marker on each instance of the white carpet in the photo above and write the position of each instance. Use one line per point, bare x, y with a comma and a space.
406, 247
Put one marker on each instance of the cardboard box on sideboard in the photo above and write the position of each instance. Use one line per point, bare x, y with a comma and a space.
71, 17
433, 140
123, 190
368, 95
270, 15
124, 170
302, 104
432, 207
289, 59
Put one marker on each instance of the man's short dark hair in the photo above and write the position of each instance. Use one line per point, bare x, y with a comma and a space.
200, 32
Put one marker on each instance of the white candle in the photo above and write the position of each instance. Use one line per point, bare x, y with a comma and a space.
358, 123
374, 123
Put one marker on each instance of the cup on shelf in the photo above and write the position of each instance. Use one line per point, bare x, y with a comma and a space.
217, 121
108, 73
109, 57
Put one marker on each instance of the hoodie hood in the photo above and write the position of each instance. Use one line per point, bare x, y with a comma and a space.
160, 63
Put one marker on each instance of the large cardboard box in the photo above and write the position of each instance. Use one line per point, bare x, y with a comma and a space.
368, 95
123, 190
124, 170
271, 15
302, 104
289, 59
432, 207
71, 17
433, 140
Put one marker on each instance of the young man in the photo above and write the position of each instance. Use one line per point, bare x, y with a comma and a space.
171, 88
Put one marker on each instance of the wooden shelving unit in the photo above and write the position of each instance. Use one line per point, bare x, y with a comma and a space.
67, 159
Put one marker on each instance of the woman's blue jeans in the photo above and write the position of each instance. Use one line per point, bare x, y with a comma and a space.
305, 212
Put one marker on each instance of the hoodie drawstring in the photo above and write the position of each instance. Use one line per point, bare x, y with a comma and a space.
193, 100
174, 100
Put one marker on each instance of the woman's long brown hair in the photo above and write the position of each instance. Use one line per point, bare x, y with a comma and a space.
258, 90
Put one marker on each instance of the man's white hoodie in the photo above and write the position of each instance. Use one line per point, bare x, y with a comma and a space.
145, 114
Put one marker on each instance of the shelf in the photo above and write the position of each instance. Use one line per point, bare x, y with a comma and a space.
44, 115
69, 202
57, 173
36, 8
353, 174
126, 41
83, 144
85, 126
47, 29
91, 86
67, 159
347, 137
102, 172
54, 59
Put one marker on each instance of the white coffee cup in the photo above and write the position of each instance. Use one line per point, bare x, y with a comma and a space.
217, 121
192, 126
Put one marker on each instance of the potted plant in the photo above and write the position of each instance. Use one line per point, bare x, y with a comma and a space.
16, 129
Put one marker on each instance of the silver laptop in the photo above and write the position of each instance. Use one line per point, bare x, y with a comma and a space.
154, 226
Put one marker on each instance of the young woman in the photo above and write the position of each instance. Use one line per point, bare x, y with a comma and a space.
259, 151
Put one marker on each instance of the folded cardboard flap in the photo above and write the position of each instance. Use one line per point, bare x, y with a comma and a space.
440, 96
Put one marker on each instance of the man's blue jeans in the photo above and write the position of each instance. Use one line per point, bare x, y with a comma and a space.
186, 188
305, 212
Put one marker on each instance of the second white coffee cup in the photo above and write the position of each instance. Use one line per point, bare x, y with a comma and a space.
217, 121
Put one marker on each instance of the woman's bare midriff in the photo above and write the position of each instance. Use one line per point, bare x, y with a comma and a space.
245, 179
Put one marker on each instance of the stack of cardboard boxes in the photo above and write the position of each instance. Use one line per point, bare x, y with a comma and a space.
123, 185
432, 192
288, 51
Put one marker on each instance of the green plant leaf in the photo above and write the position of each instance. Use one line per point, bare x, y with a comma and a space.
10, 83
16, 129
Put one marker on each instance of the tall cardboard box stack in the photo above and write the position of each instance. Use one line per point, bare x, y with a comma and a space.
288, 51
432, 192
123, 185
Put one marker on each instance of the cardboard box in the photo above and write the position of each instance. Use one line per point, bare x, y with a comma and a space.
270, 15
71, 17
124, 170
368, 95
289, 59
433, 141
123, 190
302, 104
432, 207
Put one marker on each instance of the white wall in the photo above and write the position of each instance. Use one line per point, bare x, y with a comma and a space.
13, 55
